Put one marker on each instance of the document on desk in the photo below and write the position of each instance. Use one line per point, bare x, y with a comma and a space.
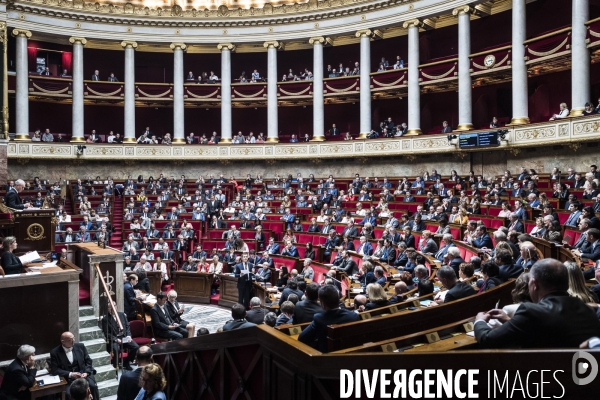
46, 265
49, 379
29, 257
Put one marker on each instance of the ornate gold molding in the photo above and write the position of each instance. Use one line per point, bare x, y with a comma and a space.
181, 46
274, 44
228, 46
21, 32
413, 22
129, 44
463, 10
372, 33
320, 39
78, 40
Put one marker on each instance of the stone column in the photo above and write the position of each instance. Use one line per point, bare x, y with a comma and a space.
365, 82
414, 90
129, 112
318, 100
77, 88
226, 127
4, 105
465, 115
272, 116
520, 107
178, 106
22, 85
580, 58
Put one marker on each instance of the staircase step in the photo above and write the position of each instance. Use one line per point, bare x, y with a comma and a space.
108, 388
85, 311
100, 358
89, 321
90, 333
105, 373
94, 345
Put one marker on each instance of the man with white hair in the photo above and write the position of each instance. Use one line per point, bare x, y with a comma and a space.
20, 375
175, 310
12, 198
454, 259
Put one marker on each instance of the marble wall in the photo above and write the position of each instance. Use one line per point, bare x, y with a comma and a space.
489, 163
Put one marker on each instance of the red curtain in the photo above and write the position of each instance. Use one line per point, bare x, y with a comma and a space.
32, 58
67, 62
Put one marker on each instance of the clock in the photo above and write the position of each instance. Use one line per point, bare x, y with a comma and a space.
489, 61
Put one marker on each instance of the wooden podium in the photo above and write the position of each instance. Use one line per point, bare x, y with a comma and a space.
34, 229
193, 286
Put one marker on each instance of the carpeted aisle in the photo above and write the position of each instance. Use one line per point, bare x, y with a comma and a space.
210, 318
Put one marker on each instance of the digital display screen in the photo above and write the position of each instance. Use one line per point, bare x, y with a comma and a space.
482, 139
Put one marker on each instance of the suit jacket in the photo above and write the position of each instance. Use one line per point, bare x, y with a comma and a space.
352, 232
242, 280
129, 300
60, 365
17, 375
292, 252
517, 226
572, 220
455, 264
459, 291
429, 247
442, 252
263, 275
160, 320
366, 249
129, 384
483, 241
256, 315
111, 329
305, 311
349, 267
237, 324
13, 200
84, 238
557, 321
317, 330
509, 271
588, 251
274, 249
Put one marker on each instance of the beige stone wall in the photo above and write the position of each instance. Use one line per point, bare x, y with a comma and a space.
486, 163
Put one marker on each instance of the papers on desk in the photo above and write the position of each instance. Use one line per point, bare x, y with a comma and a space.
10, 276
46, 265
150, 299
32, 273
49, 379
425, 303
30, 257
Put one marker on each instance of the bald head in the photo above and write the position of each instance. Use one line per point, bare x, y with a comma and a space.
360, 300
400, 288
67, 339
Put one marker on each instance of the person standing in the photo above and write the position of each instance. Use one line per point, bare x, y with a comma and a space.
242, 272
12, 198
115, 337
129, 385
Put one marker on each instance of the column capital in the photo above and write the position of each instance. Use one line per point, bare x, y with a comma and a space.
226, 46
78, 40
21, 32
180, 46
320, 39
413, 22
129, 44
274, 44
371, 33
463, 10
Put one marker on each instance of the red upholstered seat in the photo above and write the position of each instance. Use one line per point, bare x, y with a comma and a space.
138, 332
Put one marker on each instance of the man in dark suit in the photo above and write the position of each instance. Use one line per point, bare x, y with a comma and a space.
129, 384
166, 254
364, 248
213, 206
12, 199
71, 361
454, 259
20, 375
515, 224
238, 313
456, 289
446, 128
507, 269
129, 295
591, 249
350, 230
317, 330
482, 238
118, 339
96, 76
256, 314
348, 265
162, 323
272, 247
334, 131
552, 320
243, 271
263, 274
306, 309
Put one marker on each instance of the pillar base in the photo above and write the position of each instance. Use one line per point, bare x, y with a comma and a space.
77, 139
519, 121
225, 141
363, 135
464, 127
576, 112
272, 140
129, 140
22, 138
413, 132
318, 139
178, 141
